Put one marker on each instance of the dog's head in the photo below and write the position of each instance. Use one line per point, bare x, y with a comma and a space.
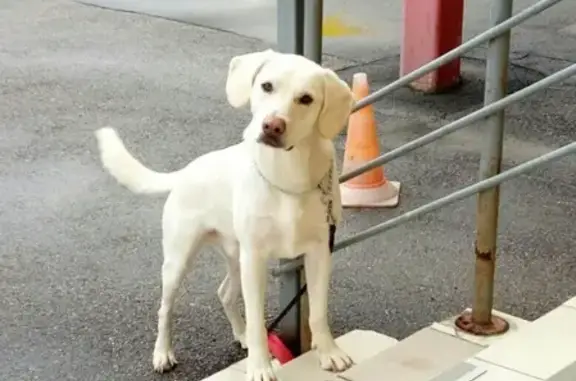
292, 98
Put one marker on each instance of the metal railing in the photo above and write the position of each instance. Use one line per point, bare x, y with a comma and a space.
300, 33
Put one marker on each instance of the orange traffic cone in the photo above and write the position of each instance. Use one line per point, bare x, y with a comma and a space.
372, 188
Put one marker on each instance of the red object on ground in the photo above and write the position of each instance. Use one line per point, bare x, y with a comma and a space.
278, 349
431, 28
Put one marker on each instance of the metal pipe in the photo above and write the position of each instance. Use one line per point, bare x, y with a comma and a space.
496, 87
459, 195
455, 53
313, 29
312, 45
445, 201
462, 122
290, 31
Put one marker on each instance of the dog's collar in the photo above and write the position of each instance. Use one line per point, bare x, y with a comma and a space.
281, 189
324, 186
292, 193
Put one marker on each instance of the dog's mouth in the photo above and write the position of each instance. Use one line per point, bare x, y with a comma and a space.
273, 142
270, 141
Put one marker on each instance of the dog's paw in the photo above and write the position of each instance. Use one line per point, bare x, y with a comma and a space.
334, 359
265, 373
259, 368
164, 361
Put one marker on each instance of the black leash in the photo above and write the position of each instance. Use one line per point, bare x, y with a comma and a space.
304, 288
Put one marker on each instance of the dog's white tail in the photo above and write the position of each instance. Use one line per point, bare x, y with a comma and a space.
127, 170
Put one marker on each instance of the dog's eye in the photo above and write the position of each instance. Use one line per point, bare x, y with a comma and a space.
305, 99
267, 87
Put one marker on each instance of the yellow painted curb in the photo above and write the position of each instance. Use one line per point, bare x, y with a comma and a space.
333, 26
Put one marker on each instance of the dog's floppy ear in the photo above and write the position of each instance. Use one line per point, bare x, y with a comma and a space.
338, 104
241, 73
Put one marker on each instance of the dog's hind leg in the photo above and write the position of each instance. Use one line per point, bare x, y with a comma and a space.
230, 292
180, 243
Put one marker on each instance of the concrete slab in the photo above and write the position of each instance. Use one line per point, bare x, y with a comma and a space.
448, 327
358, 30
420, 357
359, 344
541, 349
571, 302
461, 372
240, 366
228, 374
362, 345
258, 19
566, 374
569, 30
496, 373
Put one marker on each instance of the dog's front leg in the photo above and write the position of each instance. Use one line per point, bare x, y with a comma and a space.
318, 267
253, 278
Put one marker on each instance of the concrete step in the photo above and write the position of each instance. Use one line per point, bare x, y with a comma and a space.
429, 353
542, 350
359, 344
419, 357
530, 351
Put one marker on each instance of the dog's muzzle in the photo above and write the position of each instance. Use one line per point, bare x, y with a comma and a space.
273, 129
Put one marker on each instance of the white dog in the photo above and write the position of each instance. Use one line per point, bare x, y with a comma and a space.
269, 196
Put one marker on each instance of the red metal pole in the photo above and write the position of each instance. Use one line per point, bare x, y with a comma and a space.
431, 28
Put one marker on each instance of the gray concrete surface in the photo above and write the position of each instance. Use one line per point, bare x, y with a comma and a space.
379, 22
80, 256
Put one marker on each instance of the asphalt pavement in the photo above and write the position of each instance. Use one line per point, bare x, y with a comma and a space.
80, 256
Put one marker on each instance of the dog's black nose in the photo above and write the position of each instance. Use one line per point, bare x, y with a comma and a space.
274, 126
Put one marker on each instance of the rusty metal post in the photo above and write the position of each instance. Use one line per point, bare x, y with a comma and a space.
481, 321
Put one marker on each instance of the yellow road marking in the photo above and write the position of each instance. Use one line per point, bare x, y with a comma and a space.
333, 26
